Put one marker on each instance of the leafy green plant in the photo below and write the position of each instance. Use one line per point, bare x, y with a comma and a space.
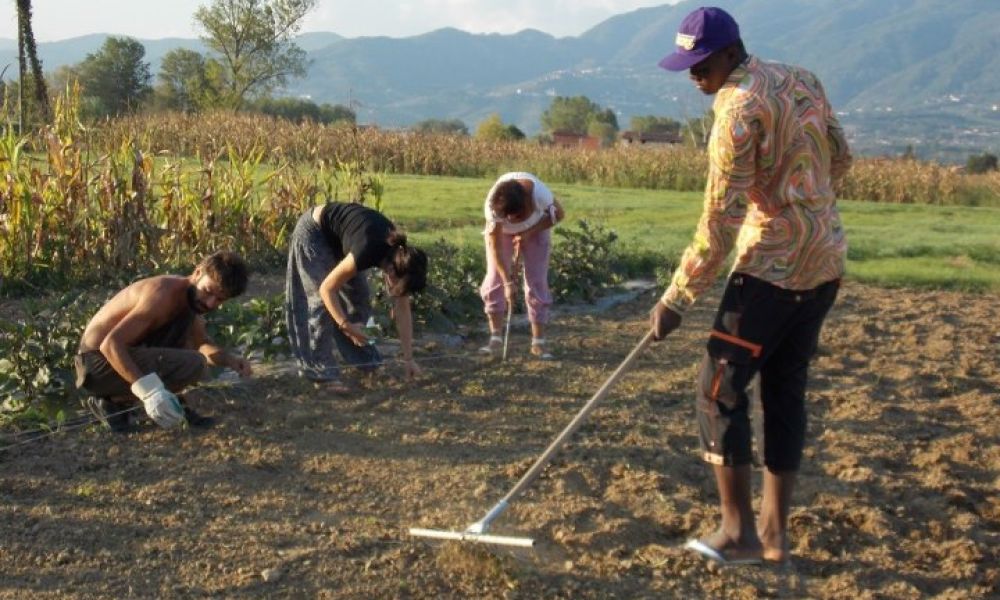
36, 371
256, 325
582, 263
452, 293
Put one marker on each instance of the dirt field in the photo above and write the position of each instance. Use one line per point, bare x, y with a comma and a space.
300, 495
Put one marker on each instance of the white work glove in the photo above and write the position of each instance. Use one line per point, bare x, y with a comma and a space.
160, 403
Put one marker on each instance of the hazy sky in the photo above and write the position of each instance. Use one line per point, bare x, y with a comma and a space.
153, 19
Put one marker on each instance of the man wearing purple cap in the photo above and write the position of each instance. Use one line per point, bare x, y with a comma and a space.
774, 152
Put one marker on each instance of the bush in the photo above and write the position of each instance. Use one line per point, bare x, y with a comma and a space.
582, 264
254, 326
36, 371
981, 163
441, 126
298, 110
452, 294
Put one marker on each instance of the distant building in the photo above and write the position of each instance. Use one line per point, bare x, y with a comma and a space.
650, 138
569, 139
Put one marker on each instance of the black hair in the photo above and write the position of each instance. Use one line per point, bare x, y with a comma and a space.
228, 269
509, 198
408, 266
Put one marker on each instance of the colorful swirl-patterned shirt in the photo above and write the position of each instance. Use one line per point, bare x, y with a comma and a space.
775, 149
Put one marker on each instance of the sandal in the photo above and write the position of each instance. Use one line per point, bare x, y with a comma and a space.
538, 349
494, 347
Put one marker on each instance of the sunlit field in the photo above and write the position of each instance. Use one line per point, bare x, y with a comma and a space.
918, 245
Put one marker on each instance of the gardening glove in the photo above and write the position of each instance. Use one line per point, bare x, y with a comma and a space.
663, 321
160, 403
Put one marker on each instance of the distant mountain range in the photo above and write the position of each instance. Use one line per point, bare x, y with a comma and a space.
923, 73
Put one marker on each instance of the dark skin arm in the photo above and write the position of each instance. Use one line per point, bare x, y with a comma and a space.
663, 321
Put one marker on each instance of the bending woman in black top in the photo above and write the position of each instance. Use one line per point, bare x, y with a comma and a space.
327, 297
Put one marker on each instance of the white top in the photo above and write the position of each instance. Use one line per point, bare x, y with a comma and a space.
541, 197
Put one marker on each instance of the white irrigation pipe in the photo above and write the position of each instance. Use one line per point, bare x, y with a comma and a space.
476, 532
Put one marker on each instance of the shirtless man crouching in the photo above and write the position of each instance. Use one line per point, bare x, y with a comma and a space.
149, 341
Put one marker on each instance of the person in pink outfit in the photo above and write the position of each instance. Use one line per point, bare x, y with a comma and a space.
520, 212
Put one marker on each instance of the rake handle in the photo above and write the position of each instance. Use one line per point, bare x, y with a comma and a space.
569, 430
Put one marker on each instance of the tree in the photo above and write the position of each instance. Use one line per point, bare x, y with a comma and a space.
183, 80
698, 129
606, 132
576, 115
116, 76
514, 132
336, 112
448, 127
64, 77
654, 124
253, 41
492, 129
27, 55
299, 110
981, 163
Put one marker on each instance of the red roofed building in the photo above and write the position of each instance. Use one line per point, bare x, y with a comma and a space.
569, 139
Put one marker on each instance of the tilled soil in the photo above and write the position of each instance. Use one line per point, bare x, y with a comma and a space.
297, 493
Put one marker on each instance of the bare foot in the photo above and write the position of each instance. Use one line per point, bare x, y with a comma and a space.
774, 547
748, 549
540, 352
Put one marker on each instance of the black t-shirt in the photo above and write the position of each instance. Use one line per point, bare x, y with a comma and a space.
356, 229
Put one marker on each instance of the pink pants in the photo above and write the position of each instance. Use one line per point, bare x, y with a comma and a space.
535, 260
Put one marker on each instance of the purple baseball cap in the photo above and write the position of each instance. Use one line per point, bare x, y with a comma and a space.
702, 32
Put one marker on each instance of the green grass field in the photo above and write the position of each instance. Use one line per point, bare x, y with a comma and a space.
937, 247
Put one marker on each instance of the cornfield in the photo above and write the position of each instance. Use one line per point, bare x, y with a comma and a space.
83, 205
149, 191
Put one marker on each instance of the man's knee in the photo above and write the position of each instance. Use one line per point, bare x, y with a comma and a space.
723, 413
183, 371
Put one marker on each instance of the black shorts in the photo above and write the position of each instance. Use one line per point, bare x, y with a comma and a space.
766, 330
